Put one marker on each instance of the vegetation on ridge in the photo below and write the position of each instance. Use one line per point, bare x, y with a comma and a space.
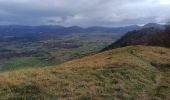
154, 36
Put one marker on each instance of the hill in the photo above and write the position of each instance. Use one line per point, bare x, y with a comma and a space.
134, 72
155, 35
136, 37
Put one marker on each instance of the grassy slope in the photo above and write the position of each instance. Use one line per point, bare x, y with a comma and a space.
127, 73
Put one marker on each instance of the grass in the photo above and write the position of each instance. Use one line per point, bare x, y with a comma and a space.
26, 62
116, 74
22, 62
163, 89
108, 83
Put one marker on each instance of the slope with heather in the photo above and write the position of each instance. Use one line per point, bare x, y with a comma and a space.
132, 72
153, 36
136, 37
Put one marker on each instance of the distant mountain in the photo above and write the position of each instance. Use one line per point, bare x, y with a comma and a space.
153, 25
33, 33
8, 29
112, 30
156, 35
18, 29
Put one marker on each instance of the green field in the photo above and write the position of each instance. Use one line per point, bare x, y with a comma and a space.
25, 62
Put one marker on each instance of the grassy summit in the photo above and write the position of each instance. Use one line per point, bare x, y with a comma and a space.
134, 72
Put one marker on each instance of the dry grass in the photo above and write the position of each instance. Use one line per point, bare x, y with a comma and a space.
116, 74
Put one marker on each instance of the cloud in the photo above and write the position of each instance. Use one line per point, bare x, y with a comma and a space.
83, 12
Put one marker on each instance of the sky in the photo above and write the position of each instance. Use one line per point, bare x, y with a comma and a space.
84, 13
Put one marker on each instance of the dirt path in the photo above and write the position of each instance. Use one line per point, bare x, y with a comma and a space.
144, 95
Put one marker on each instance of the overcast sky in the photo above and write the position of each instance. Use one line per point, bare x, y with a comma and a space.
84, 12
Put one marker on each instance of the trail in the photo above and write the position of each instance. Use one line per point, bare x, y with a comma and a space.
144, 95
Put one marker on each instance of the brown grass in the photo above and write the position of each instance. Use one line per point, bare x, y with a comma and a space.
122, 73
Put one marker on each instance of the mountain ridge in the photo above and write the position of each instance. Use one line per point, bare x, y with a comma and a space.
154, 35
70, 29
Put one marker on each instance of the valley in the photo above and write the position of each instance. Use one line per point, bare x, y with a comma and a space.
49, 50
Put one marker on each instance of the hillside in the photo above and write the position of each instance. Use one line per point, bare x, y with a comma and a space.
153, 36
136, 37
134, 72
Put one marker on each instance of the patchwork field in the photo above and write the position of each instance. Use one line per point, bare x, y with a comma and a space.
50, 50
